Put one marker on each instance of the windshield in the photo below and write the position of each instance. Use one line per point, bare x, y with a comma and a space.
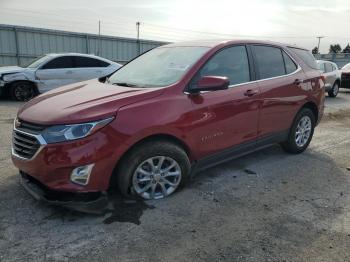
37, 61
159, 67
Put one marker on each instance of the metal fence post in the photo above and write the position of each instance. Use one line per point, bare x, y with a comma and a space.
87, 44
17, 45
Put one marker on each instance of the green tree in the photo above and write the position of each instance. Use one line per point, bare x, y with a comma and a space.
315, 50
346, 49
334, 49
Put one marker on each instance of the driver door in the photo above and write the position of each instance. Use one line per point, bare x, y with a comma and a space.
57, 72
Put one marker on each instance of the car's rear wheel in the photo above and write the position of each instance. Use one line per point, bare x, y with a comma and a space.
22, 91
334, 91
301, 133
153, 170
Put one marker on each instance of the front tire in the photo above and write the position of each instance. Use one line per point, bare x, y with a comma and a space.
334, 91
153, 170
22, 91
301, 133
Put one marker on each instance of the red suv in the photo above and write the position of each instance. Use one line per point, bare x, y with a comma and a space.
168, 113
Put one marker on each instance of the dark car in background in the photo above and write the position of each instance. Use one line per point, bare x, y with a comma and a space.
345, 76
164, 116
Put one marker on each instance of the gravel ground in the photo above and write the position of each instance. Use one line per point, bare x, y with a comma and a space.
267, 206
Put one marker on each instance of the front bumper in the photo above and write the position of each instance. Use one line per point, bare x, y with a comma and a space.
53, 164
345, 83
95, 203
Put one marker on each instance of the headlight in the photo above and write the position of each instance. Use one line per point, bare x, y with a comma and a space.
61, 133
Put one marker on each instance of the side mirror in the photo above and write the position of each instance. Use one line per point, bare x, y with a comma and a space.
211, 83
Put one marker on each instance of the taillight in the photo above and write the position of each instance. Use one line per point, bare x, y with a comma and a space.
323, 79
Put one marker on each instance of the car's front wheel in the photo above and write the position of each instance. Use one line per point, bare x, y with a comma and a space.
22, 91
334, 91
301, 133
153, 170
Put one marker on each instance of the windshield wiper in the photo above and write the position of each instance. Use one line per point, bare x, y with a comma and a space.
124, 84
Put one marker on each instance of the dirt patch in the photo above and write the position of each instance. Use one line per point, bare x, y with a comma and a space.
336, 116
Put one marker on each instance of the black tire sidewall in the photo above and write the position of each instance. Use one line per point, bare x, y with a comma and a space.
290, 145
13, 90
331, 92
141, 153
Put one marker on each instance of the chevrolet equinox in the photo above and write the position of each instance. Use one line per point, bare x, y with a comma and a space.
165, 115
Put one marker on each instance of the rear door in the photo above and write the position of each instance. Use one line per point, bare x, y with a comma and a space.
57, 72
226, 118
89, 68
281, 81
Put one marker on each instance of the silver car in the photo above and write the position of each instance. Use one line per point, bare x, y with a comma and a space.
332, 76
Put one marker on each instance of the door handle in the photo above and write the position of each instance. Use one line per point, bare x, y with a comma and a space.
251, 92
69, 72
298, 81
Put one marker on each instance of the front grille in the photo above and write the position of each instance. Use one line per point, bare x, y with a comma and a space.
24, 145
345, 76
29, 127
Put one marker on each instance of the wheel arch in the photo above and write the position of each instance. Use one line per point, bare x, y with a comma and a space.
313, 107
25, 80
154, 137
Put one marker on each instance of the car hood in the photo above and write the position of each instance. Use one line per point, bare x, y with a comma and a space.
82, 102
10, 69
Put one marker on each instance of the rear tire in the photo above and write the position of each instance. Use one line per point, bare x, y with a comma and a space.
22, 91
301, 133
148, 162
334, 91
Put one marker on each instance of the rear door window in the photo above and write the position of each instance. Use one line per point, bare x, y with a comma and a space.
321, 67
83, 62
269, 61
231, 62
59, 63
329, 67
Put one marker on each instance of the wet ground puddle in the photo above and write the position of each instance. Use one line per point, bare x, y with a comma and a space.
126, 210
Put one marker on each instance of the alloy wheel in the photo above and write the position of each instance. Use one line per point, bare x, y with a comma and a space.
303, 131
156, 177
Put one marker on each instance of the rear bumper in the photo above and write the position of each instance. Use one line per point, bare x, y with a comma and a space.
95, 203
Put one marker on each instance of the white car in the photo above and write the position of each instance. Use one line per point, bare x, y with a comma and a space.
51, 71
332, 76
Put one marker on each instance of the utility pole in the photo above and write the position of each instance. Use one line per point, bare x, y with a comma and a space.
319, 41
138, 38
99, 37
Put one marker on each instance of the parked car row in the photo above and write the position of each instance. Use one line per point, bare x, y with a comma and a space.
51, 71
335, 78
170, 112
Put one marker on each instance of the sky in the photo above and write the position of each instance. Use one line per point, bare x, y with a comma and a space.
288, 21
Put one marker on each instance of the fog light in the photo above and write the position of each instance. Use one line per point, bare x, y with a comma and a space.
81, 175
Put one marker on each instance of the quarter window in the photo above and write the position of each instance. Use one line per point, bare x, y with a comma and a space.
290, 66
231, 62
306, 56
